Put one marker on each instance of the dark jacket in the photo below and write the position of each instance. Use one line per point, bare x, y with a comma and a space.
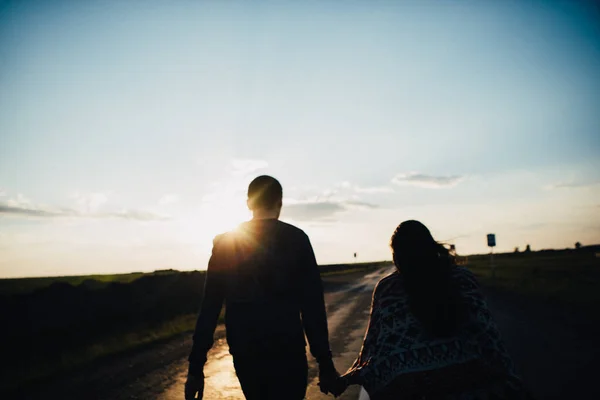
266, 274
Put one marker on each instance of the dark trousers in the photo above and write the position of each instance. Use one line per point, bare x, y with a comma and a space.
270, 378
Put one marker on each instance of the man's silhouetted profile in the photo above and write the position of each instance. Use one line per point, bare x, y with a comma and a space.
266, 274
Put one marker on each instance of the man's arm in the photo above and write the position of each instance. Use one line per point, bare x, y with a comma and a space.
312, 308
212, 302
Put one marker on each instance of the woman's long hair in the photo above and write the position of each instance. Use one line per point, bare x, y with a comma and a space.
426, 266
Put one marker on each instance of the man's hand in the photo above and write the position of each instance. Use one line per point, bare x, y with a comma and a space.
329, 379
194, 385
335, 387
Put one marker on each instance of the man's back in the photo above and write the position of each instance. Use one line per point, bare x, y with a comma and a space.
269, 266
266, 274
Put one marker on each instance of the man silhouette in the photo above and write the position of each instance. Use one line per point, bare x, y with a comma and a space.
266, 274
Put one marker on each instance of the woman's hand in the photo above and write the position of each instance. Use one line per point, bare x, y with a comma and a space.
335, 386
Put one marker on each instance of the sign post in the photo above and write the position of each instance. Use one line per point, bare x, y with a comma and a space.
491, 240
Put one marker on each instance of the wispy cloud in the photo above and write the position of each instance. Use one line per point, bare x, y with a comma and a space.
570, 185
136, 215
90, 202
374, 189
243, 167
427, 181
360, 205
87, 206
42, 212
312, 210
320, 210
2, 193
6, 209
170, 198
18, 201
348, 186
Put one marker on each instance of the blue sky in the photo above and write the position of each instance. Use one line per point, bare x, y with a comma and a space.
128, 134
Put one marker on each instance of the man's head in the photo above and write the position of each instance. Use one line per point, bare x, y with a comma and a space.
264, 196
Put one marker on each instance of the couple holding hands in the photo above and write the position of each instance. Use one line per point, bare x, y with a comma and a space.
430, 333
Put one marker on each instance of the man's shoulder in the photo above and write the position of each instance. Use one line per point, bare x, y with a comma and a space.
219, 238
224, 240
291, 228
284, 229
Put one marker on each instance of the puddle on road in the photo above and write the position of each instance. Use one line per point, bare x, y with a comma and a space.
220, 380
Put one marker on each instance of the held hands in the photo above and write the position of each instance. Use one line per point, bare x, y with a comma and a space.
336, 386
194, 385
330, 380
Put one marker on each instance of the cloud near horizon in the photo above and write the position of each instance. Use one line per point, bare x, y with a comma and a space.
127, 214
345, 185
427, 181
571, 185
90, 202
87, 207
321, 210
374, 189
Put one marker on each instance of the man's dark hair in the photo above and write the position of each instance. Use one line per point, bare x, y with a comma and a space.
264, 192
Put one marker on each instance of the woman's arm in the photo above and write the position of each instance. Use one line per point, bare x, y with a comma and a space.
360, 367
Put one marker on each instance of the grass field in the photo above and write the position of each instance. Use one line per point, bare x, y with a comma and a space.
28, 285
569, 277
117, 344
13, 286
126, 339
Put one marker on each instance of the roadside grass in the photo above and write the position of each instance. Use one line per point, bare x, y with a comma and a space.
71, 359
567, 277
116, 344
12, 286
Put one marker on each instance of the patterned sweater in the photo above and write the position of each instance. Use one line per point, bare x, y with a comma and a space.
399, 359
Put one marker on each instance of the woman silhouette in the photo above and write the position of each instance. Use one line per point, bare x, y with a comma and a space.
430, 334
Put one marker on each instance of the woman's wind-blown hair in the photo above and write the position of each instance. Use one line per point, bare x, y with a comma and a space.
426, 266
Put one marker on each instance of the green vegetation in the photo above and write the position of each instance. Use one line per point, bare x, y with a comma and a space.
118, 343
28, 285
571, 277
62, 323
13, 286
